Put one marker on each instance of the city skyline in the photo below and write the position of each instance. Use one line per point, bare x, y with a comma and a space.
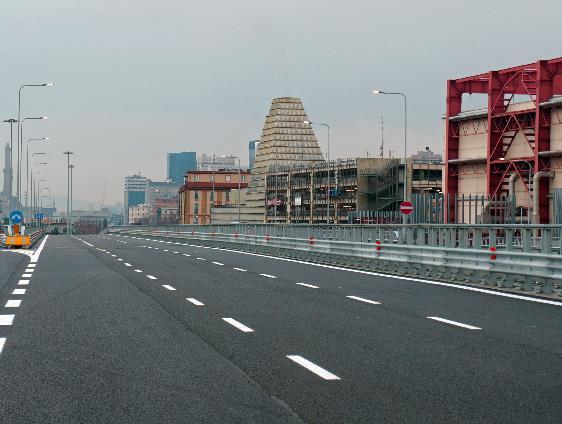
108, 100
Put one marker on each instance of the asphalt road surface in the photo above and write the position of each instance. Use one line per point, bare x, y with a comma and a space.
115, 329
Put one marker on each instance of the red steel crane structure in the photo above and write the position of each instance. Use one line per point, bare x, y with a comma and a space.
538, 82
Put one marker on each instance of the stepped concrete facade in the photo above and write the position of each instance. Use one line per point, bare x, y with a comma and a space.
285, 140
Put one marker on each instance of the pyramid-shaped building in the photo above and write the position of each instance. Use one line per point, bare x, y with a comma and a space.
285, 140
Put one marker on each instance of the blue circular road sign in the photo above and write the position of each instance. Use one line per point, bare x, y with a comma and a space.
16, 217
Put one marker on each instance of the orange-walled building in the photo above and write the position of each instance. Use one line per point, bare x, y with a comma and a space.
196, 195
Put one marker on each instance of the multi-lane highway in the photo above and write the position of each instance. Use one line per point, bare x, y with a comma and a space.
114, 328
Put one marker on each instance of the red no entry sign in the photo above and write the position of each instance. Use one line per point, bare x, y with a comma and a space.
406, 208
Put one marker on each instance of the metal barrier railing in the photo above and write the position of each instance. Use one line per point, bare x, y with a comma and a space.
469, 254
528, 238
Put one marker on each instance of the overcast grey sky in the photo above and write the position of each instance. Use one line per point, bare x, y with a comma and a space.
135, 79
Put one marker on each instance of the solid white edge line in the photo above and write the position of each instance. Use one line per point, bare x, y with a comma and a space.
308, 285
194, 301
13, 303
238, 325
319, 371
455, 323
361, 299
168, 287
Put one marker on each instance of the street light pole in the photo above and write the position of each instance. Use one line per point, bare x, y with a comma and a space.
20, 136
71, 214
27, 167
11, 121
329, 173
20, 155
68, 153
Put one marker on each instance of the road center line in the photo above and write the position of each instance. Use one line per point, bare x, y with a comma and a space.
455, 323
360, 299
319, 371
194, 301
238, 325
308, 285
13, 303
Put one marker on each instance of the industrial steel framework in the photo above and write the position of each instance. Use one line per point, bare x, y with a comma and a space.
538, 82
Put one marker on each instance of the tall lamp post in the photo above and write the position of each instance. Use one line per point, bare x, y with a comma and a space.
11, 121
71, 214
68, 153
27, 167
33, 190
377, 92
329, 178
20, 136
20, 153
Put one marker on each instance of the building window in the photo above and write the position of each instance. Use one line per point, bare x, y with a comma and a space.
243, 178
196, 195
227, 178
227, 196
196, 209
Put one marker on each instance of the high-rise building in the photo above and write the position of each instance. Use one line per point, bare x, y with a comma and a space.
287, 139
179, 164
252, 147
135, 193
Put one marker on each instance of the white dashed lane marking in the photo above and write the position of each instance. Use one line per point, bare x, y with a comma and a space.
308, 285
127, 264
455, 323
168, 287
23, 282
239, 269
195, 301
360, 299
18, 291
152, 277
185, 254
268, 275
138, 270
238, 325
201, 259
26, 275
6, 319
2, 343
319, 371
13, 303
218, 263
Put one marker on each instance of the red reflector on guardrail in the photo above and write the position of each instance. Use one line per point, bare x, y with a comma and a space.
493, 253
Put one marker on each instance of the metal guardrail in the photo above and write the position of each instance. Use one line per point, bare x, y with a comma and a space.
499, 256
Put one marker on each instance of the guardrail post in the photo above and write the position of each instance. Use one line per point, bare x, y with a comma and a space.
546, 240
477, 238
526, 235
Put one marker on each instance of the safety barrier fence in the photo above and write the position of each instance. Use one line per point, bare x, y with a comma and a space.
504, 256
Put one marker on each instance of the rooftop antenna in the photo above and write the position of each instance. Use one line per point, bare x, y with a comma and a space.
381, 151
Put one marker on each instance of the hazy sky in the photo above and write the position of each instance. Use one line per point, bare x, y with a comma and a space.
135, 79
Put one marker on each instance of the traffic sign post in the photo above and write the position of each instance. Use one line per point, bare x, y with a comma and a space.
16, 217
406, 208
